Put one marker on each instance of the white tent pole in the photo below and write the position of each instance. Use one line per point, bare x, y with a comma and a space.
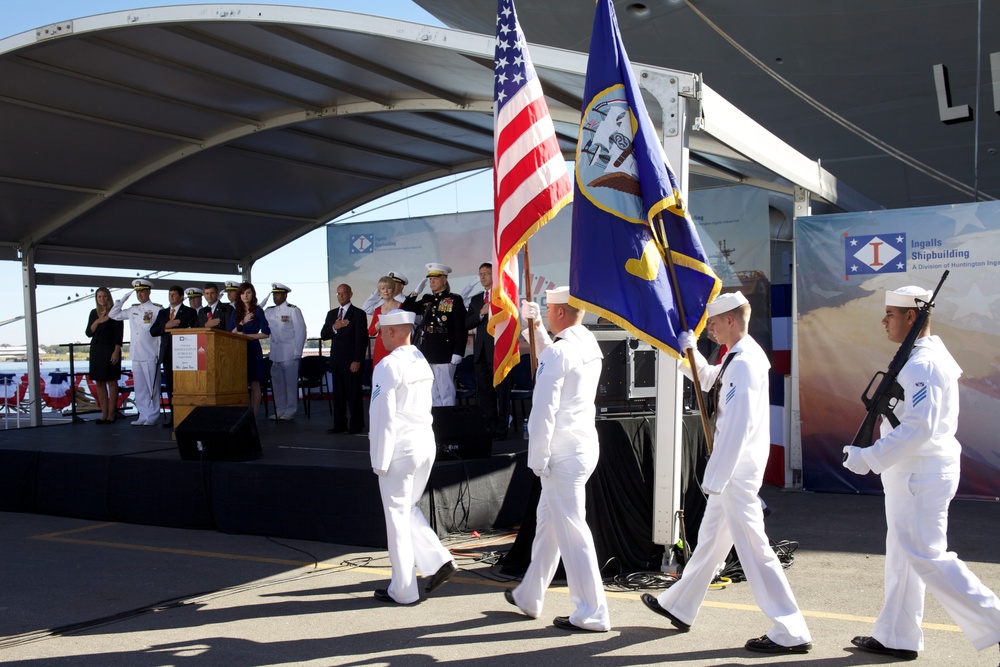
27, 252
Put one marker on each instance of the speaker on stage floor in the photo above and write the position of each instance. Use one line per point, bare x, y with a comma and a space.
463, 432
218, 433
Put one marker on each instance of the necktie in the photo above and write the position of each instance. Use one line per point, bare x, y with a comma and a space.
171, 313
342, 310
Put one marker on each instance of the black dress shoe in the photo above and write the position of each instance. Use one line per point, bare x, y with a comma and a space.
872, 645
654, 605
508, 595
336, 430
101, 421
562, 622
442, 575
382, 595
763, 644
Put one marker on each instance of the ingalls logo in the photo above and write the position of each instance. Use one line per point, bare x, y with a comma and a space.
880, 253
361, 244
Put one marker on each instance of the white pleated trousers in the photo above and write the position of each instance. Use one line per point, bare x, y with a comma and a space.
735, 518
146, 383
285, 383
917, 559
562, 530
443, 390
410, 539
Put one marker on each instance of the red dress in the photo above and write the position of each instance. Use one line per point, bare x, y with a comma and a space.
378, 352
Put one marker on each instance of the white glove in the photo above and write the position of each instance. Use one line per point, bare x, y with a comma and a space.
420, 286
380, 473
467, 290
125, 298
544, 472
687, 340
530, 310
456, 359
854, 461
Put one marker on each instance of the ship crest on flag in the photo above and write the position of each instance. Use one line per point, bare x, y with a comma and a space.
879, 253
607, 172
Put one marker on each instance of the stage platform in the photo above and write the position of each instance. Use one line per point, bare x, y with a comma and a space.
307, 485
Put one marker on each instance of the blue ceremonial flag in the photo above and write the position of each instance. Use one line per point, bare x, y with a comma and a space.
623, 182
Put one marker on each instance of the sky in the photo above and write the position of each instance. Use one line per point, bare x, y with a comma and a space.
301, 264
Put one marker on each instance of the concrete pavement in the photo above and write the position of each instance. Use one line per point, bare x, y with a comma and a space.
85, 594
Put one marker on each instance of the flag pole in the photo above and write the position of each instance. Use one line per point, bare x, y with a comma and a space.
661, 237
531, 323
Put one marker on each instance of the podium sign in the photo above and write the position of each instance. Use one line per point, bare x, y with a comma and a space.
210, 368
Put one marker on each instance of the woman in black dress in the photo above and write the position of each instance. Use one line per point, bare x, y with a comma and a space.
248, 319
105, 355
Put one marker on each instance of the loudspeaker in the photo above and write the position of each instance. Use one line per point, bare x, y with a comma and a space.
218, 433
463, 432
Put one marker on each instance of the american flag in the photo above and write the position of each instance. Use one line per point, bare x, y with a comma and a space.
530, 180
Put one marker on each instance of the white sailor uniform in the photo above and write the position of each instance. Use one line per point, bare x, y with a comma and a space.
402, 455
733, 515
563, 449
288, 337
144, 354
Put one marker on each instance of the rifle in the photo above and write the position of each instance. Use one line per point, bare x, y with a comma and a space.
889, 393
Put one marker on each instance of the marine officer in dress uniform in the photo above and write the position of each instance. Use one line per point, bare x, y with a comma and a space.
920, 464
734, 515
374, 299
441, 334
288, 337
563, 450
144, 350
402, 455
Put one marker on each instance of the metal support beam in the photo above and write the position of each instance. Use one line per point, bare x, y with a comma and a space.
31, 332
669, 381
800, 208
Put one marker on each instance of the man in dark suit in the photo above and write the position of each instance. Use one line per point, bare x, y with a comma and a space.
346, 328
174, 316
215, 314
495, 401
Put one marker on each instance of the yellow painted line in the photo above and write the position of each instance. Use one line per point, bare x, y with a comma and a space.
82, 529
386, 572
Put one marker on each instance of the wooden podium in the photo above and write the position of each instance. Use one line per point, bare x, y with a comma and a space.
210, 368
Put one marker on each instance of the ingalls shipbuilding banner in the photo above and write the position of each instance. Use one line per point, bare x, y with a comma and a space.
844, 264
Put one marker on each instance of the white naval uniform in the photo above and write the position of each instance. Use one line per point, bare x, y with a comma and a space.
733, 515
402, 455
144, 353
288, 336
563, 448
919, 461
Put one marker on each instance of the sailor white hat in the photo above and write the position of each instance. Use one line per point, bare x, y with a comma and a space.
726, 302
907, 297
278, 287
397, 316
399, 277
434, 269
557, 296
232, 285
142, 283
193, 291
